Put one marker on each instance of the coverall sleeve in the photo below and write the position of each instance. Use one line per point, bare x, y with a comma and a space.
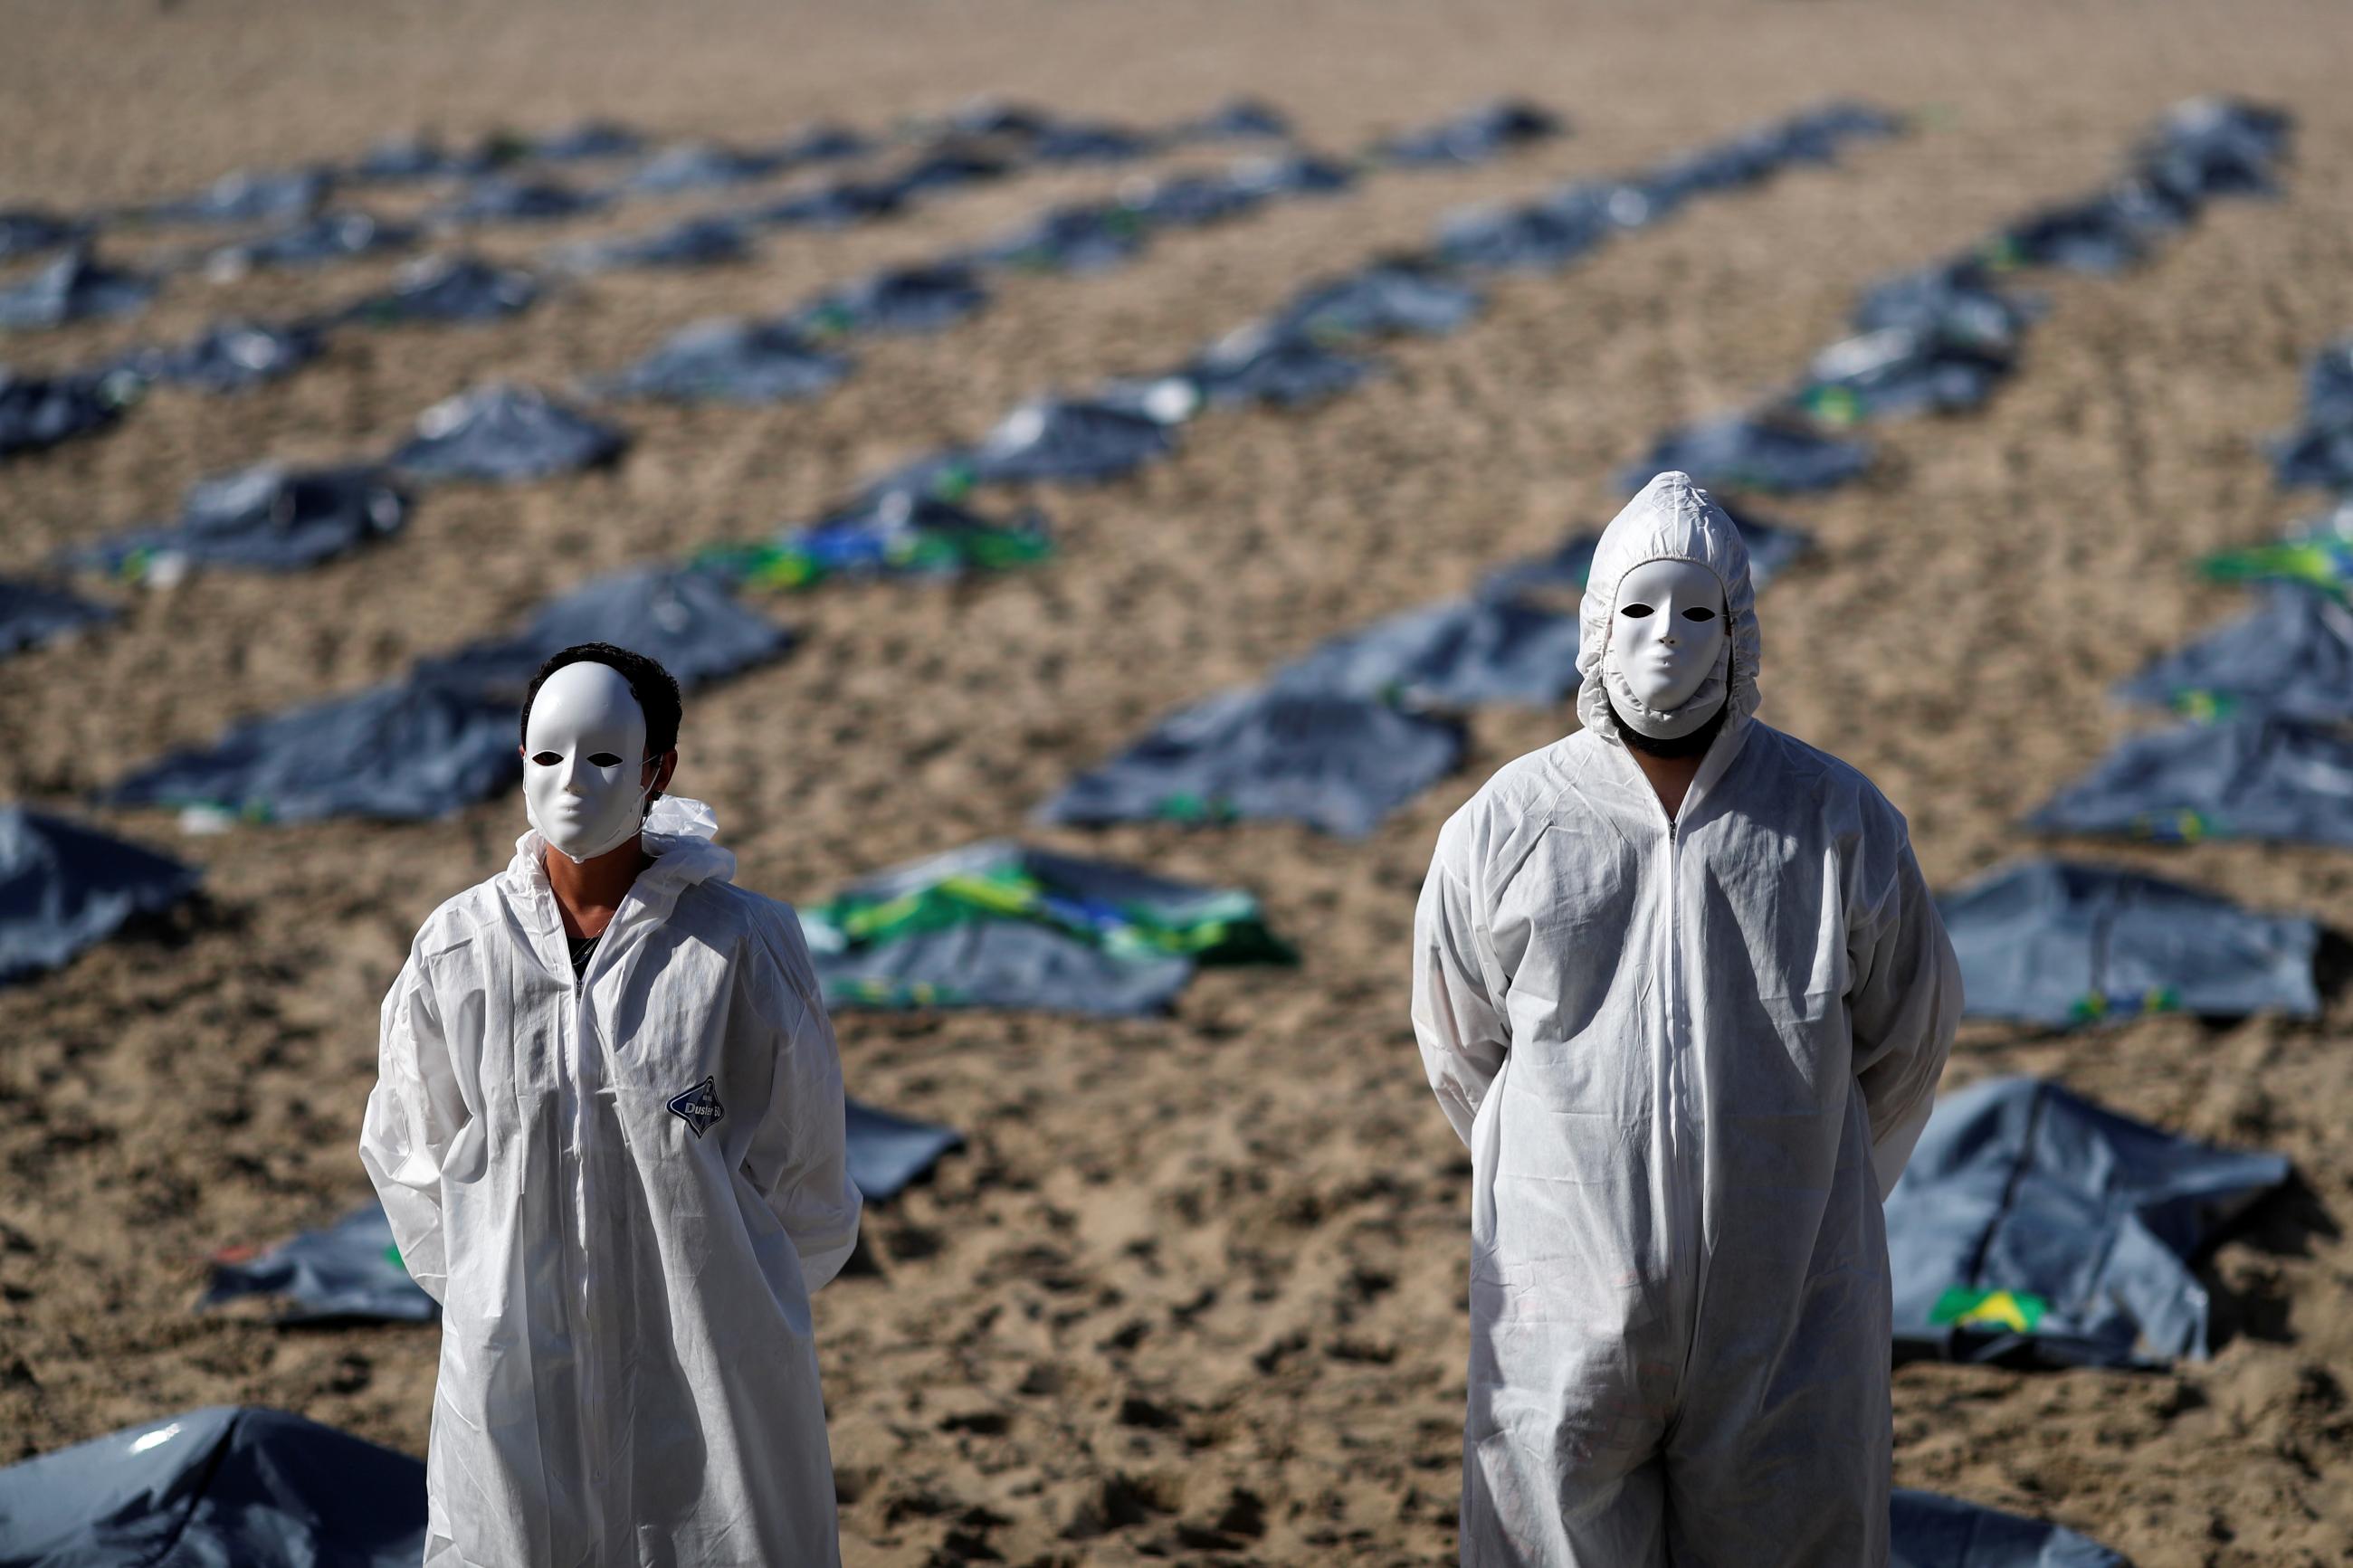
1905, 1005
1458, 1009
413, 1114
800, 1157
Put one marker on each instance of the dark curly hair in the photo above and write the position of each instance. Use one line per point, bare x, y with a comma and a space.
653, 687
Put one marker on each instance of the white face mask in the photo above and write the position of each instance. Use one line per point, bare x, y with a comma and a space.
1669, 651
584, 773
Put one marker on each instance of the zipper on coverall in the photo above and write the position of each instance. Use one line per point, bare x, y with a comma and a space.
1691, 1162
591, 1396
1688, 1154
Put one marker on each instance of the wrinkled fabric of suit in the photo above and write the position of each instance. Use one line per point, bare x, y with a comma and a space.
623, 1190
1689, 1058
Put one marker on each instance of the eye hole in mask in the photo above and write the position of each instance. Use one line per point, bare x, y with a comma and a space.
545, 759
1634, 612
605, 759
1699, 612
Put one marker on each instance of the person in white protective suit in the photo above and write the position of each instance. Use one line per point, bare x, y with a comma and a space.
608, 1133
1679, 988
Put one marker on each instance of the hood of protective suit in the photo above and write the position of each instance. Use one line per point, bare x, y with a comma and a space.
1672, 520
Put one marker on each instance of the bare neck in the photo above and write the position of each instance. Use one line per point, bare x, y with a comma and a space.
1670, 777
589, 891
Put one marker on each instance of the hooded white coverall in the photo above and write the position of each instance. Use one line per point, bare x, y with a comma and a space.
1689, 1058
622, 1191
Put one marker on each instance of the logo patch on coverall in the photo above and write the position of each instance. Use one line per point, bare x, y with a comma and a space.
699, 1107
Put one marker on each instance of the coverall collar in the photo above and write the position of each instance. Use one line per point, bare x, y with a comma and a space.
680, 859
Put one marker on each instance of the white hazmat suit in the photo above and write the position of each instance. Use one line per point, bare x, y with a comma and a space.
1689, 1058
622, 1191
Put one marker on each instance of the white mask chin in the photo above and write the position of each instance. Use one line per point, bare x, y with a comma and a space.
584, 762
1667, 662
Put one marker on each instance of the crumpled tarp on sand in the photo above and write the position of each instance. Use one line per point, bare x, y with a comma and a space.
497, 198
402, 751
732, 361
686, 619
227, 357
588, 139
1194, 201
1476, 135
704, 166
1459, 654
1547, 233
1058, 438
1509, 643
2105, 233
690, 242
2061, 943
1080, 141
2216, 146
1937, 339
444, 738
894, 534
1536, 236
2291, 657
1897, 371
505, 433
1049, 440
32, 614
349, 1271
1274, 363
887, 1152
262, 519
327, 237
1954, 302
249, 195
2320, 451
2316, 455
2199, 149
1933, 1532
2252, 777
448, 288
1746, 452
76, 287
256, 1487
25, 231
65, 888
920, 299
263, 1488
1338, 764
2034, 1227
41, 411
1092, 236
1400, 294
1295, 174
837, 204
2329, 384
999, 924
945, 167
1240, 118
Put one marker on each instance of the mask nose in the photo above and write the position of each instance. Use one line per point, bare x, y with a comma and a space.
576, 771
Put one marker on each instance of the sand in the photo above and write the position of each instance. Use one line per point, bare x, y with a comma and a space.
1196, 1290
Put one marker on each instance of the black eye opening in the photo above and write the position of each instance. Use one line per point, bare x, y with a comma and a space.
1634, 612
546, 759
1699, 612
605, 759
